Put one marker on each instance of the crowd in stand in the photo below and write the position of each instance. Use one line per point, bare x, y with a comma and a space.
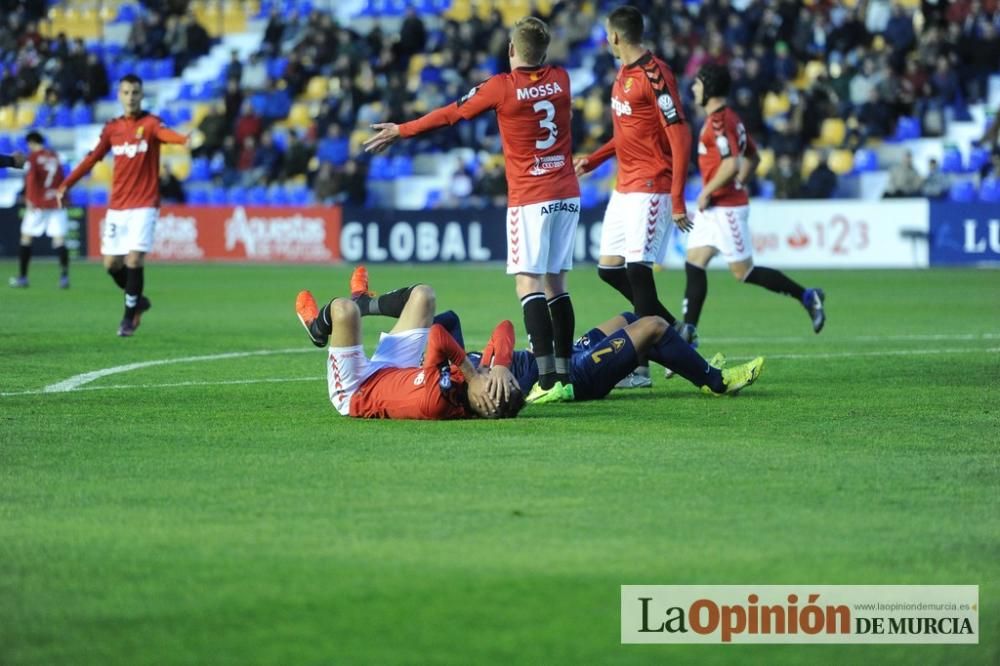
877, 62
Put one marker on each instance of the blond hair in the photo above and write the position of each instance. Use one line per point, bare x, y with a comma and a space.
530, 37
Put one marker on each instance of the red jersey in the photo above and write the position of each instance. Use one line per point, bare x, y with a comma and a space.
724, 136
533, 107
652, 140
135, 143
421, 393
44, 175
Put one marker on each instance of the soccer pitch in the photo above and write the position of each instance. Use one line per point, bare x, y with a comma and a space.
207, 506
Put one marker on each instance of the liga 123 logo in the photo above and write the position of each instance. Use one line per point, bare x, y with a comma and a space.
747, 614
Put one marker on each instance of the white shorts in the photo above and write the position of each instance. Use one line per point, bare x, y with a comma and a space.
51, 222
348, 367
724, 228
541, 236
636, 226
125, 231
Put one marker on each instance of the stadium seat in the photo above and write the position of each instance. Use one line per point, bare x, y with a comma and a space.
832, 133
978, 158
276, 67
865, 160
604, 170
380, 168
238, 196
97, 196
906, 128
810, 160
951, 162
402, 165
841, 162
78, 196
6, 145
146, 69
43, 116
317, 88
200, 169
7, 116
167, 116
767, 189
63, 116
278, 196
186, 92
963, 191
183, 115
26, 116
101, 173
692, 189
127, 13
257, 196
766, 162
776, 105
217, 196
163, 69
197, 196
300, 195
82, 115
989, 190
590, 194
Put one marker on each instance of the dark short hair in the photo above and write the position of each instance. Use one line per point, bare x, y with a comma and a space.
627, 22
510, 408
35, 137
131, 78
716, 80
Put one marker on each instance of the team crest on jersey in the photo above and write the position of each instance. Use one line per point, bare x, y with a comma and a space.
628, 84
535, 76
139, 131
617, 344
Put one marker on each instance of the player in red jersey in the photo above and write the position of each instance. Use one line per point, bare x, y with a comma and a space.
42, 214
652, 142
533, 107
127, 234
394, 383
727, 157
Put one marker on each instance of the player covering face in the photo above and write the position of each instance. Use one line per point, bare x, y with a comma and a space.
418, 371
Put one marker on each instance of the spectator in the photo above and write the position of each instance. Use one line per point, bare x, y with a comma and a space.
460, 186
491, 186
248, 124
233, 99
268, 160
904, 179
214, 129
246, 158
297, 157
354, 184
874, 117
936, 185
334, 148
412, 36
171, 190
991, 170
326, 185
234, 68
786, 178
822, 182
254, 75
273, 34
95, 83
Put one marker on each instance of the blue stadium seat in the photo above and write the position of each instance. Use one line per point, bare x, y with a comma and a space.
198, 196
906, 128
183, 114
167, 116
433, 198
205, 92
20, 144
200, 169
217, 196
767, 189
163, 69
865, 160
43, 116
402, 165
431, 74
989, 191
604, 170
963, 191
257, 196
380, 168
692, 189
78, 196
978, 158
6, 145
186, 92
112, 50
276, 67
98, 197
127, 14
278, 196
590, 194
951, 162
82, 115
238, 196
63, 116
146, 69
300, 195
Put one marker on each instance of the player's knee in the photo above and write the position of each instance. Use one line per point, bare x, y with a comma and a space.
658, 325
423, 297
344, 309
113, 263
740, 271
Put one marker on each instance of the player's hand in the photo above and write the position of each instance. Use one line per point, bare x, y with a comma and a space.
18, 158
479, 395
580, 165
501, 384
388, 134
704, 200
60, 195
683, 222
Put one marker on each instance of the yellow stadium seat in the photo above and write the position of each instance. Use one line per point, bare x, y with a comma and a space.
832, 133
810, 160
766, 162
25, 116
56, 13
7, 116
417, 62
299, 116
460, 10
776, 105
181, 169
101, 172
841, 161
198, 112
813, 70
317, 88
358, 137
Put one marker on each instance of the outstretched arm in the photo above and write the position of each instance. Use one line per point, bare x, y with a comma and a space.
587, 164
85, 165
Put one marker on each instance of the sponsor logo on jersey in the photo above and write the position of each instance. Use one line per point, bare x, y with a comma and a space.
666, 104
560, 206
543, 90
546, 164
130, 149
621, 108
467, 96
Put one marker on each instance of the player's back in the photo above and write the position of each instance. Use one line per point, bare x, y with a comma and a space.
409, 393
534, 119
723, 136
644, 100
44, 175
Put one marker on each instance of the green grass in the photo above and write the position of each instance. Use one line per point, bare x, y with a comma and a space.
246, 523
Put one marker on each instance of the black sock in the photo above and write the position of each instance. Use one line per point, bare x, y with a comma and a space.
23, 257
323, 324
694, 293
617, 278
775, 281
644, 297
118, 275
563, 324
538, 323
390, 304
134, 279
63, 260
671, 351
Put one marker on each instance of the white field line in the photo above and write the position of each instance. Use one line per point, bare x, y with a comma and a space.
76, 385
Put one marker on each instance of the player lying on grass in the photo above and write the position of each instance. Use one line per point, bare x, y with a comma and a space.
394, 383
600, 359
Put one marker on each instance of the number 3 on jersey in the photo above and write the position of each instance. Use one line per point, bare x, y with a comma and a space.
546, 123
